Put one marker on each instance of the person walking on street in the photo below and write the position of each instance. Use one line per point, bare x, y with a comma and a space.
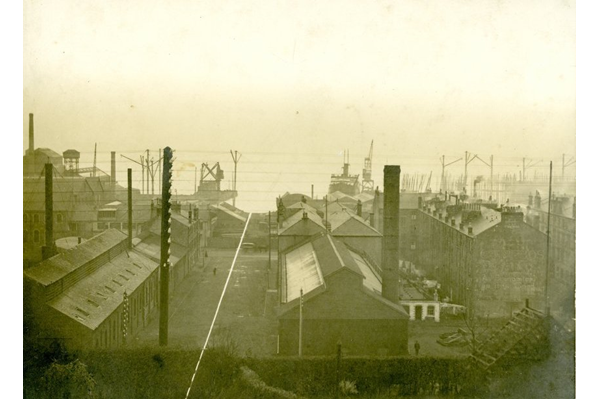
417, 347
214, 271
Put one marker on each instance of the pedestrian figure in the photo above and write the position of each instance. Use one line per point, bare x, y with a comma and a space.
215, 271
205, 254
417, 347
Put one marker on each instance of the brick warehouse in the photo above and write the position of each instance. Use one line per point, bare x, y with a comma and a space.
342, 303
94, 293
489, 261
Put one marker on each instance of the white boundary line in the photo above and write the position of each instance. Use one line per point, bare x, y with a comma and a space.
218, 306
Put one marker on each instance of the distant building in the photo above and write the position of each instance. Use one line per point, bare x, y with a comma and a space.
408, 211
341, 303
299, 227
562, 247
230, 221
489, 261
98, 294
83, 207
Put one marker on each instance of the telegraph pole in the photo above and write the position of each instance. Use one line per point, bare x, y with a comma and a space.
236, 158
129, 210
165, 240
444, 165
548, 242
300, 327
269, 246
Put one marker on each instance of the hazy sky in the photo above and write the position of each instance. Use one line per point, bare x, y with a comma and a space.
422, 77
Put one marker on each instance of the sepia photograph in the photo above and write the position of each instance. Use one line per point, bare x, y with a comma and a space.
299, 199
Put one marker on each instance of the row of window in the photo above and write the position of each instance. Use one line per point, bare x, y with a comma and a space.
39, 217
36, 236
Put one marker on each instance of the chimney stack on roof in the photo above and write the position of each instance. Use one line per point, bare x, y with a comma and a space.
304, 215
359, 208
391, 232
470, 229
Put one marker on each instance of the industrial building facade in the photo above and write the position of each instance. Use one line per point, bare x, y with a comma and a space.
489, 261
96, 295
341, 303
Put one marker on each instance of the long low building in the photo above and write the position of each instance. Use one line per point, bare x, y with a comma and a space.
94, 295
341, 303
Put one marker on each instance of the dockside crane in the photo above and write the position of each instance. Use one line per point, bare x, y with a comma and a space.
367, 183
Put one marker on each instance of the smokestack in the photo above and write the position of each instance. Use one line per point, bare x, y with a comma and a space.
31, 144
359, 208
113, 167
130, 210
49, 249
391, 231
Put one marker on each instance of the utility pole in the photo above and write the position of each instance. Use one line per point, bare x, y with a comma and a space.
548, 243
94, 169
300, 327
165, 240
491, 165
159, 170
468, 160
195, 179
444, 165
236, 158
148, 173
269, 248
129, 210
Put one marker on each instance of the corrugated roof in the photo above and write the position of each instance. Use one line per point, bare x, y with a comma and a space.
333, 256
302, 271
150, 246
57, 267
91, 300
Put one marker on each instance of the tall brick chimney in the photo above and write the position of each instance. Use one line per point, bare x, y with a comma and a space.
359, 208
391, 231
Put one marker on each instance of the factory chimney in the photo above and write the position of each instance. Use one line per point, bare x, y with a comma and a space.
49, 249
391, 231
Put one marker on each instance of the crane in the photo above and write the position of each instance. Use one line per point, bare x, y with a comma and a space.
367, 183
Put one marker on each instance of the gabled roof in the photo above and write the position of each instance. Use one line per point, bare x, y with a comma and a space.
91, 300
347, 223
301, 206
228, 212
488, 219
296, 225
150, 247
337, 195
57, 267
309, 264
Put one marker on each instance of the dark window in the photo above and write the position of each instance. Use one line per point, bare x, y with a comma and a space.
25, 236
25, 218
36, 218
59, 218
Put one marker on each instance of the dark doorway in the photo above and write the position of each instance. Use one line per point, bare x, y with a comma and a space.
418, 313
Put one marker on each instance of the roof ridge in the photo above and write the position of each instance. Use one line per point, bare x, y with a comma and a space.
337, 253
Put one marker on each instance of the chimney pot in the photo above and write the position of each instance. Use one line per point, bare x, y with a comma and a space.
470, 229
453, 222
